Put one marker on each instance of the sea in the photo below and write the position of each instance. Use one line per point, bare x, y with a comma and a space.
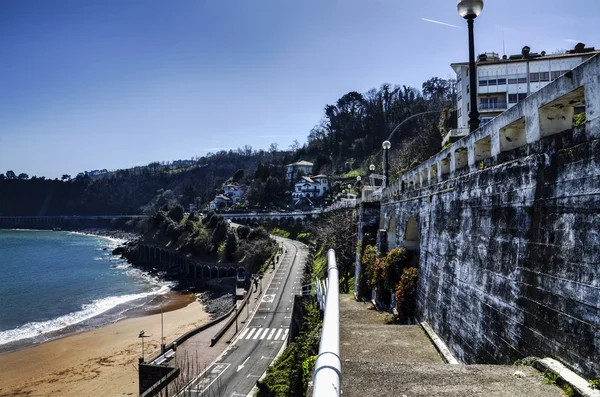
54, 283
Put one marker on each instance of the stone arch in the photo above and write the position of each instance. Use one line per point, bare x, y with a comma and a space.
205, 272
231, 272
411, 235
391, 232
214, 272
241, 272
222, 272
156, 256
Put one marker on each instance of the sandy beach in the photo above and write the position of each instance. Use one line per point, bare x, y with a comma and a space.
100, 362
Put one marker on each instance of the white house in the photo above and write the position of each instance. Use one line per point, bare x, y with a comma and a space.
234, 192
310, 189
297, 168
504, 82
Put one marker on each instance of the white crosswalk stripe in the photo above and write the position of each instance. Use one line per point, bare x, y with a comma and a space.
251, 332
259, 333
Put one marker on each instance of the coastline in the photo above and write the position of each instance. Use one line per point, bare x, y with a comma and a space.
99, 362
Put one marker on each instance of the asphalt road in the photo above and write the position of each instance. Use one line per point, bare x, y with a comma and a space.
236, 371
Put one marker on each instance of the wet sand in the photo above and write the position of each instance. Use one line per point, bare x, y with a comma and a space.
100, 362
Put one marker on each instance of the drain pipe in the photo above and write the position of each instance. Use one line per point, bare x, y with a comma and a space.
327, 378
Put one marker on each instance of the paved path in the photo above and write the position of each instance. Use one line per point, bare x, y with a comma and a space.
381, 359
236, 370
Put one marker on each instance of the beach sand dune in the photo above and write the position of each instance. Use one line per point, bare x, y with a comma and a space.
100, 362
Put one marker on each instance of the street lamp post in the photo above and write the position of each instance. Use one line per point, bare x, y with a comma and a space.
386, 147
372, 169
470, 9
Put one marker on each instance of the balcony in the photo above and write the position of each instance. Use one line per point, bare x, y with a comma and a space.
492, 106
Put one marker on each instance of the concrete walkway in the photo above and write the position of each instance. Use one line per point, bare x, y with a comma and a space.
380, 359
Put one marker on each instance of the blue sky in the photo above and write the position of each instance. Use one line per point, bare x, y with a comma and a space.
92, 84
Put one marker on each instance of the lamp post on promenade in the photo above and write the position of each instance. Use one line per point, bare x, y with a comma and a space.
386, 147
470, 9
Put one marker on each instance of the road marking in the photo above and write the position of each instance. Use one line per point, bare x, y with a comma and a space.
255, 317
271, 334
251, 332
250, 376
286, 317
258, 333
270, 288
242, 366
285, 334
278, 333
268, 298
267, 358
244, 332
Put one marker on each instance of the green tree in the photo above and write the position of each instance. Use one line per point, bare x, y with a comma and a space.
219, 232
231, 244
176, 213
10, 175
239, 174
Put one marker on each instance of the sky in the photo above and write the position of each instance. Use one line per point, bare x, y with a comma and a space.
94, 84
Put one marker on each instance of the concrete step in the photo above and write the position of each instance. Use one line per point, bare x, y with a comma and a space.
368, 378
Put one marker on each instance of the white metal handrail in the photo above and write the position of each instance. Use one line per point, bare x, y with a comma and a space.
327, 378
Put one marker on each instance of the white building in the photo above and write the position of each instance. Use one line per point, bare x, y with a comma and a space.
298, 168
235, 192
504, 82
310, 189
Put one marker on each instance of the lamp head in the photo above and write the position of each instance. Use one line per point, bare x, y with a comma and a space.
358, 178
372, 167
349, 186
386, 145
469, 8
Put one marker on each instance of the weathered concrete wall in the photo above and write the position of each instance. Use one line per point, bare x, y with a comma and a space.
368, 224
510, 252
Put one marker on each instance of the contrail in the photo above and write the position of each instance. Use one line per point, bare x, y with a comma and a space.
441, 23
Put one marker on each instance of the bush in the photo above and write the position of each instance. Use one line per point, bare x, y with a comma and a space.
304, 237
406, 291
258, 233
193, 216
214, 220
280, 233
176, 213
158, 219
208, 217
243, 231
202, 243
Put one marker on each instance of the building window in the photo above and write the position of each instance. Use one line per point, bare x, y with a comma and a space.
544, 76
501, 81
534, 77
522, 97
522, 80
513, 81
459, 113
459, 98
467, 88
483, 83
468, 106
492, 82
555, 75
467, 72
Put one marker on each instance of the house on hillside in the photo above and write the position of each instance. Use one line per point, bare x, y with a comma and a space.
297, 169
222, 201
310, 190
235, 192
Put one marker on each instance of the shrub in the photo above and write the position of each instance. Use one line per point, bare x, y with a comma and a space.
243, 231
208, 217
158, 219
406, 291
176, 213
214, 220
202, 243
280, 233
258, 233
193, 216
304, 237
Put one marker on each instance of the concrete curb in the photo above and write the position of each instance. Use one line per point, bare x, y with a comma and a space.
569, 377
438, 343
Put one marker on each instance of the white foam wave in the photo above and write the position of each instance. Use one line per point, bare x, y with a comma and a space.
99, 306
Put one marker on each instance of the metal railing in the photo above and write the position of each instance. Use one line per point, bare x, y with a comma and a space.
327, 378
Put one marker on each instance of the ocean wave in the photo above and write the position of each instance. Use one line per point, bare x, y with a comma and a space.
88, 311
